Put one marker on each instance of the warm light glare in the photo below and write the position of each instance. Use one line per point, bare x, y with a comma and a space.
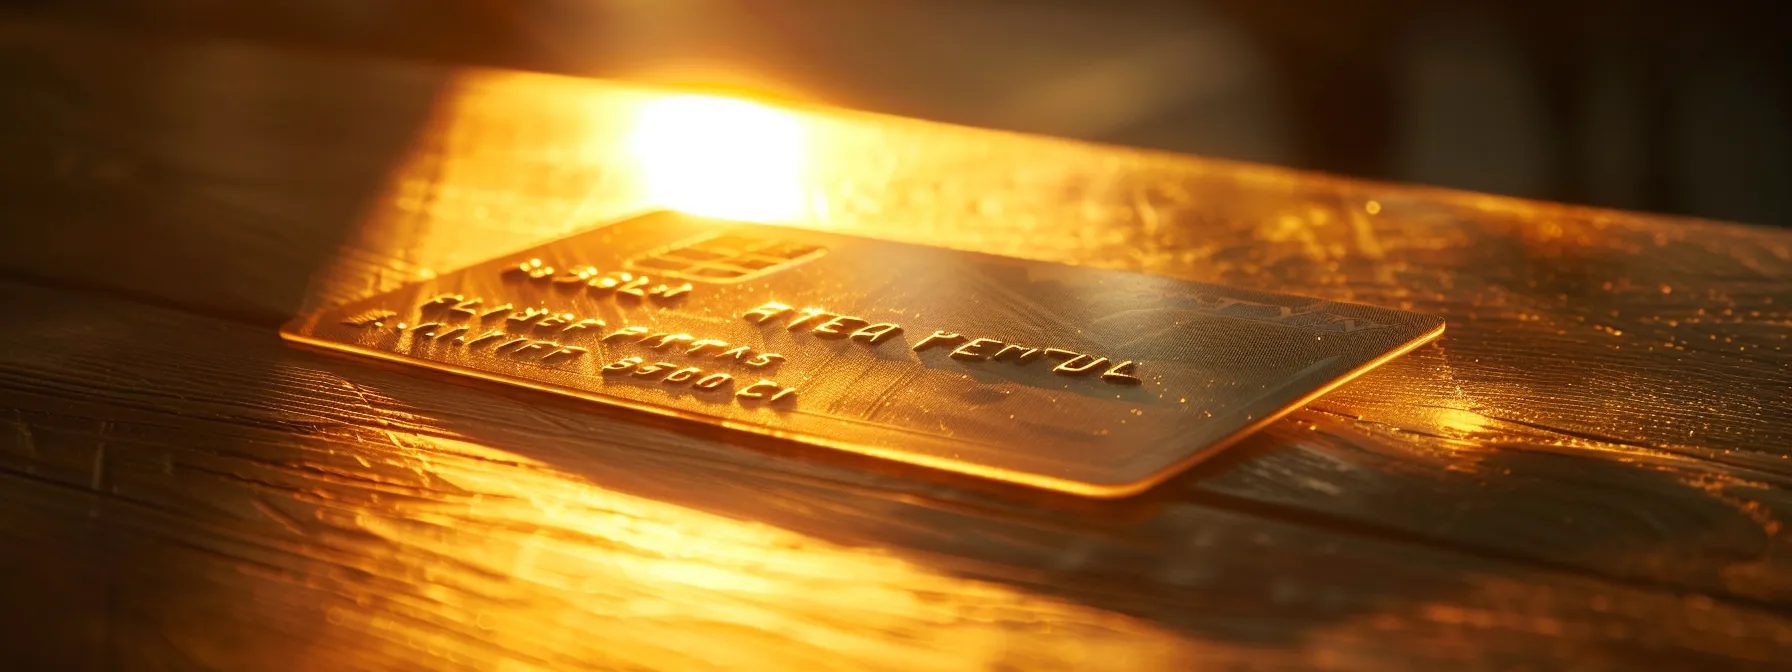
721, 157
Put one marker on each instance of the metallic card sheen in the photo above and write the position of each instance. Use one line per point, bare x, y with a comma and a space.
1082, 380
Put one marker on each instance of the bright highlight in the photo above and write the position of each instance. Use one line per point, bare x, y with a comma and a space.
721, 157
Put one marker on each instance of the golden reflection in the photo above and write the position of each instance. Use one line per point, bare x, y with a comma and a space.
546, 563
1452, 421
720, 157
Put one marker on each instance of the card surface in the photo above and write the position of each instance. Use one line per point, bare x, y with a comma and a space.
1089, 381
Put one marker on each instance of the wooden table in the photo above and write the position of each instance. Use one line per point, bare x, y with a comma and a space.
1590, 470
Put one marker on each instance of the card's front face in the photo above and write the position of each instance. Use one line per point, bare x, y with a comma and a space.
1076, 379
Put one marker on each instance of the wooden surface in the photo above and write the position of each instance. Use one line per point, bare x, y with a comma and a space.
1589, 471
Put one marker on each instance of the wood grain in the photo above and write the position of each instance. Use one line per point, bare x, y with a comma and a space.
1591, 465
196, 483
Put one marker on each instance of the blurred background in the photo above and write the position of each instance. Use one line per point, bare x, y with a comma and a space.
1675, 106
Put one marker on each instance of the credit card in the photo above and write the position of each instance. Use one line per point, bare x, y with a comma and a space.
1094, 382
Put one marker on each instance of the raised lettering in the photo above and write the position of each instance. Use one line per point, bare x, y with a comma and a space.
756, 390
646, 370
1121, 374
768, 311
806, 316
582, 325
698, 346
1025, 355
764, 360
876, 333
625, 332
938, 338
531, 269
668, 293
682, 375
485, 337
734, 353
440, 301
453, 304
712, 381
610, 281
839, 327
531, 346
527, 316
669, 339
623, 364
464, 310
975, 349
633, 287
574, 276
1072, 368
566, 353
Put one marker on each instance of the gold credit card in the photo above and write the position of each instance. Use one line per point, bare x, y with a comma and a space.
1082, 380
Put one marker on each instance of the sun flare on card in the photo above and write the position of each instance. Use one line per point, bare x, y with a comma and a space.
721, 157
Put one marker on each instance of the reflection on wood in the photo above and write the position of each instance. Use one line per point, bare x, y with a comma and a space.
233, 478
1590, 466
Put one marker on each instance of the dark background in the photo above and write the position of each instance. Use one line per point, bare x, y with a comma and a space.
1677, 107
